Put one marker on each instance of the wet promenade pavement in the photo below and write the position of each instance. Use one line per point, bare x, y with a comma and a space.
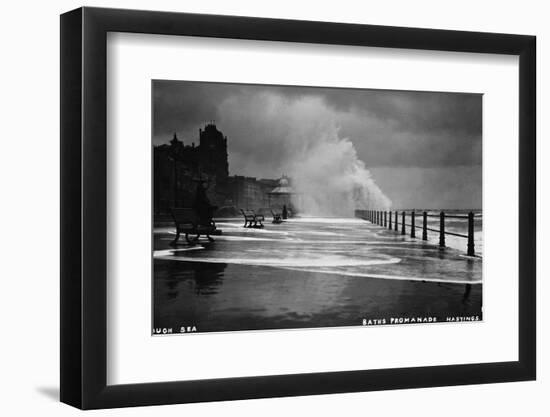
309, 272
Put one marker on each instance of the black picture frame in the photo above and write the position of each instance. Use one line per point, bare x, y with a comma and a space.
84, 207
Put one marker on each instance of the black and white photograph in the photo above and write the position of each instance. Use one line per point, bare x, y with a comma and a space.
298, 207
265, 209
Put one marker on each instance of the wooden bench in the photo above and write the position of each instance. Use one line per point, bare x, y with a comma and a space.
252, 219
187, 222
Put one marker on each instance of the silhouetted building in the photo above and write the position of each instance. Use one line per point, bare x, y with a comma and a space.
178, 168
250, 193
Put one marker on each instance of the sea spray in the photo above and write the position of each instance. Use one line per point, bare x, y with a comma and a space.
303, 142
330, 180
328, 177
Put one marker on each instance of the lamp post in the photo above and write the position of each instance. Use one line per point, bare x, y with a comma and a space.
174, 153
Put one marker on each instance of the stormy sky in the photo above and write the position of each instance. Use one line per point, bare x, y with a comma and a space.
423, 149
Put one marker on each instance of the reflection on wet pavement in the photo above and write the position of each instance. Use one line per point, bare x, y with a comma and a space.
308, 273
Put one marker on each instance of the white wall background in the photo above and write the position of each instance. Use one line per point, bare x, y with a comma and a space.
29, 180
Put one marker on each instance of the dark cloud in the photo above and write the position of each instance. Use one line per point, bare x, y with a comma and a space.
431, 135
414, 111
388, 128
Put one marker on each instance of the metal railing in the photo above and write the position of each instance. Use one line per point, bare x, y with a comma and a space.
384, 219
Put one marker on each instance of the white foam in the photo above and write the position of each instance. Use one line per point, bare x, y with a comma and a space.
247, 239
167, 252
330, 220
323, 261
385, 276
340, 246
324, 233
252, 230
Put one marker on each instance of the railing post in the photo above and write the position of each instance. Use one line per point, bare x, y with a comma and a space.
413, 232
442, 230
471, 248
377, 217
425, 226
385, 218
402, 222
395, 223
389, 221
